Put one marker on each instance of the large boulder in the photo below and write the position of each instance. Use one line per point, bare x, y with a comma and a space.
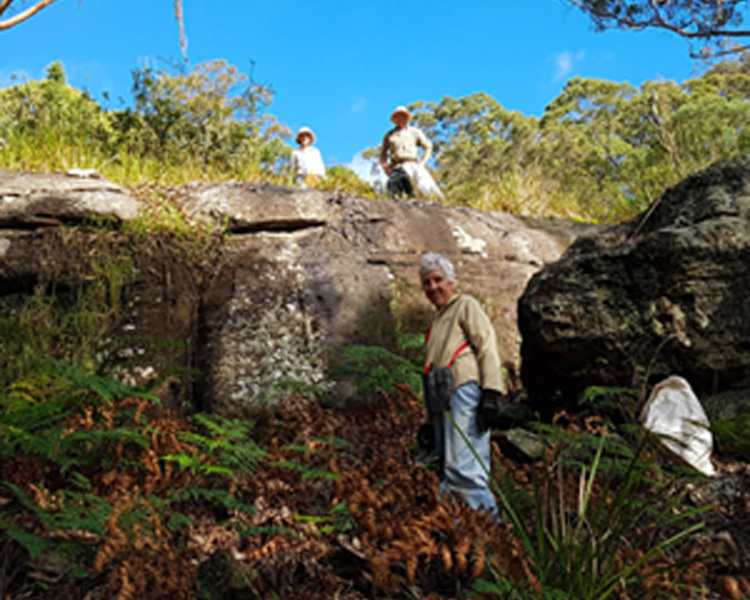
664, 293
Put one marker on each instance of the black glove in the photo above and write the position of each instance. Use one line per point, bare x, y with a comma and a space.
426, 437
487, 412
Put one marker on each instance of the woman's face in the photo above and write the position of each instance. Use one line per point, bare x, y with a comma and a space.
437, 288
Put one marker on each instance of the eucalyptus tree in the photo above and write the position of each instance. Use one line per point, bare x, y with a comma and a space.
210, 113
616, 148
712, 125
589, 140
714, 28
601, 150
478, 145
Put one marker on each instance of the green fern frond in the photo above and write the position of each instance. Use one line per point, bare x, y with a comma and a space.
178, 521
83, 448
106, 388
71, 510
185, 461
307, 472
375, 368
229, 441
34, 544
267, 530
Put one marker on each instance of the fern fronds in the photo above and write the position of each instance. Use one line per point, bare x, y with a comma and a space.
376, 368
228, 441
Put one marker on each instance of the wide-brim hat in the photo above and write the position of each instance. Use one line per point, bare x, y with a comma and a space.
305, 131
401, 109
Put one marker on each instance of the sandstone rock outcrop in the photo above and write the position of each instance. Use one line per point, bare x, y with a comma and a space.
297, 276
667, 292
305, 273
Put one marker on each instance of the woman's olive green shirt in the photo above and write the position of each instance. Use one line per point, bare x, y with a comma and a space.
464, 320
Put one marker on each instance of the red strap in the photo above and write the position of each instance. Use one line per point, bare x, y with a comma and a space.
456, 353
461, 348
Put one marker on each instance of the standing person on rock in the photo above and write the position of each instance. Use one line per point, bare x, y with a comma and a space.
462, 382
399, 157
305, 163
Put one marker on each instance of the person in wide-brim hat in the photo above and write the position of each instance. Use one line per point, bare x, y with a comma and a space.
400, 110
305, 131
306, 163
399, 157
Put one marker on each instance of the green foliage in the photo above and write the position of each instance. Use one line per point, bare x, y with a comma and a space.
616, 403
208, 123
68, 509
343, 179
229, 441
339, 519
732, 436
38, 119
206, 114
33, 544
601, 151
66, 322
286, 386
585, 521
305, 471
32, 423
376, 368
100, 478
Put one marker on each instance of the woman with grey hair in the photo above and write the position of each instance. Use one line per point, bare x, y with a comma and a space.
462, 381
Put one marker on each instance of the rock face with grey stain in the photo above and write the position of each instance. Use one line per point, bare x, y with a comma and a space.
298, 276
667, 292
305, 273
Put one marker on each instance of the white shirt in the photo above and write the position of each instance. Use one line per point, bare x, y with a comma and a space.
307, 161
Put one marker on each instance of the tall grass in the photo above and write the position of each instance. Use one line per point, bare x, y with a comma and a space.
602, 520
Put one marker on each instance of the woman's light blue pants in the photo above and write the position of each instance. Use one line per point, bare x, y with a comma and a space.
463, 474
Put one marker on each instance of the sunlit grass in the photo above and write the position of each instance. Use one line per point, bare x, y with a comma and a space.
526, 194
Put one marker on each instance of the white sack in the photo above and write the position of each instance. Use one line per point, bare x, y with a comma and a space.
422, 179
674, 412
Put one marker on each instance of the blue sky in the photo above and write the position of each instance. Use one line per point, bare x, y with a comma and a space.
341, 66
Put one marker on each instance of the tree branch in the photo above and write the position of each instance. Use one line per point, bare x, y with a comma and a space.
179, 17
22, 16
4, 5
707, 20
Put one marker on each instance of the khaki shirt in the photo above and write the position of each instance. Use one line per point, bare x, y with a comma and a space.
464, 320
401, 145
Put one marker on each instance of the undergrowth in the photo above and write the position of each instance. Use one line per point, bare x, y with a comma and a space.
109, 482
601, 518
310, 501
71, 313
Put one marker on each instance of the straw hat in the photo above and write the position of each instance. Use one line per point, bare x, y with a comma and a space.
401, 109
305, 131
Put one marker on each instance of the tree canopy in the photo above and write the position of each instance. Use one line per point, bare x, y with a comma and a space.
210, 117
714, 27
601, 150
